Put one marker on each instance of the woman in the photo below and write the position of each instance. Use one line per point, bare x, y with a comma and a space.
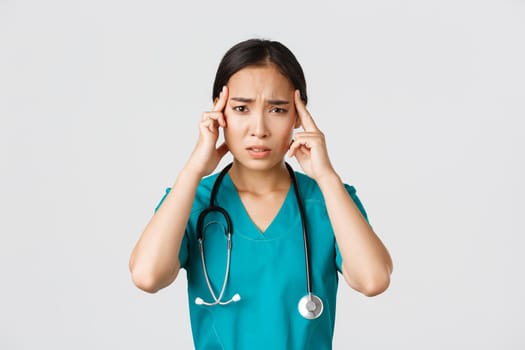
259, 99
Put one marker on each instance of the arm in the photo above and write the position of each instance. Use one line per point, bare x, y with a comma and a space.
366, 262
154, 262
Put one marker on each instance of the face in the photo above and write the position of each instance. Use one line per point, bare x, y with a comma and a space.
260, 116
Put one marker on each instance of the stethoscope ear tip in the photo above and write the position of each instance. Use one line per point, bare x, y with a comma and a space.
235, 298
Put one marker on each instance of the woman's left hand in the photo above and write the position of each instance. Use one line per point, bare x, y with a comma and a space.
309, 146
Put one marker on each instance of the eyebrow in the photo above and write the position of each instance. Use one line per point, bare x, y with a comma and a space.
248, 100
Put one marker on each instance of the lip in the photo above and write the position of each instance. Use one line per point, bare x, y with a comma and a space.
258, 152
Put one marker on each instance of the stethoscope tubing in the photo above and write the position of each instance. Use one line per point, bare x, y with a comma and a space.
304, 228
218, 301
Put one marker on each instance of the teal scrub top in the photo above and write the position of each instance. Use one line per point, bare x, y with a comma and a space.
267, 270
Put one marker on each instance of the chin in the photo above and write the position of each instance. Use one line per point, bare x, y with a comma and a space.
259, 164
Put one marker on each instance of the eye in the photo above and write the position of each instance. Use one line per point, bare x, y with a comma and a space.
278, 110
240, 109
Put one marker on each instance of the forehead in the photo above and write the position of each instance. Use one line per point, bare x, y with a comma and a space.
259, 80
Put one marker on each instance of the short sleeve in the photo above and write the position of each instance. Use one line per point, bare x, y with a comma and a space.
352, 192
184, 247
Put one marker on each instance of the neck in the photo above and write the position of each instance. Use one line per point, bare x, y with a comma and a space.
260, 181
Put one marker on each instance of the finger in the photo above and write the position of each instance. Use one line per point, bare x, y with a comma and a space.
213, 120
208, 125
299, 151
221, 101
216, 116
307, 122
301, 145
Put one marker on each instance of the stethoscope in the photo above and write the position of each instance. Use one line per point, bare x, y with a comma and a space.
310, 306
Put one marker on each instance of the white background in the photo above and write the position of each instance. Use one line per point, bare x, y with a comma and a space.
422, 104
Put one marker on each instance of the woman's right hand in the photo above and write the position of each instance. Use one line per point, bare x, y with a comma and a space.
154, 262
206, 155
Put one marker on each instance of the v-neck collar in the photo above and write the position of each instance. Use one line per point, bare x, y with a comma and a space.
243, 224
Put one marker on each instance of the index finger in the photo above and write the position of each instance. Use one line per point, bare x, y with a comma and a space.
221, 101
307, 122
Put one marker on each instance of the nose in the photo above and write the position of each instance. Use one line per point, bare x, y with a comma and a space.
259, 126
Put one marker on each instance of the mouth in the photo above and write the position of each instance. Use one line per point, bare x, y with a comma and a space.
258, 149
259, 152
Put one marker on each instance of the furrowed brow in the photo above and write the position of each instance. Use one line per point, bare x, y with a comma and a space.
278, 102
249, 100
242, 99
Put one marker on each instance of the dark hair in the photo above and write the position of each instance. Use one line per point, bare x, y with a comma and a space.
260, 52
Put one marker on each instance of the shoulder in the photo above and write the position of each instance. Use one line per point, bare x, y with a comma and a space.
203, 194
310, 189
311, 193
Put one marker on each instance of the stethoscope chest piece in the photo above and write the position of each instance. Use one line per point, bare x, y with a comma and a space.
310, 306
